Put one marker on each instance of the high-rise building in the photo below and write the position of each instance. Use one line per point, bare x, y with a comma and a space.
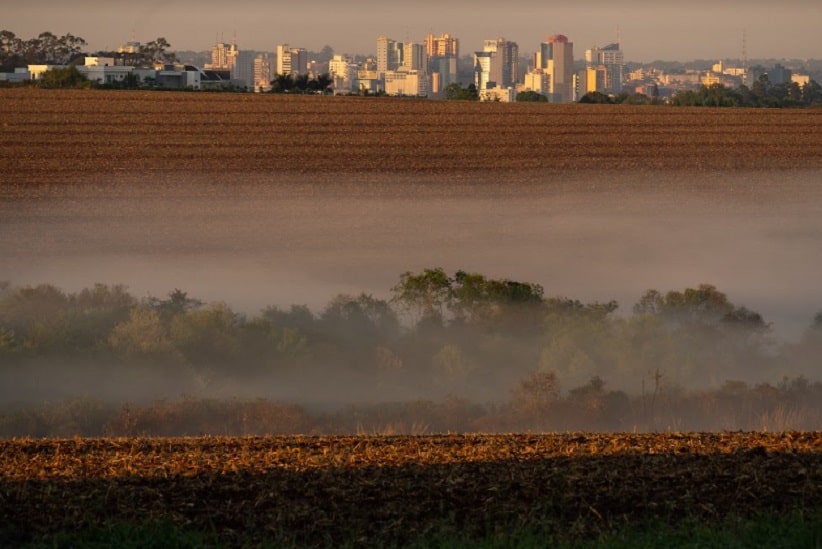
223, 57
343, 71
389, 54
443, 53
291, 61
262, 72
593, 79
414, 57
612, 59
556, 57
538, 81
444, 46
497, 63
243, 69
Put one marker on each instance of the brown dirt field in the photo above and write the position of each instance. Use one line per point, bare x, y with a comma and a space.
328, 490
59, 135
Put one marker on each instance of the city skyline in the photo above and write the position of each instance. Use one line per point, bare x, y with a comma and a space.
646, 31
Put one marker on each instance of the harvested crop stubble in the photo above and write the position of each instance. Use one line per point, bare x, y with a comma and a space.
329, 490
50, 135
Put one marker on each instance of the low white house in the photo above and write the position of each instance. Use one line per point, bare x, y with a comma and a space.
103, 70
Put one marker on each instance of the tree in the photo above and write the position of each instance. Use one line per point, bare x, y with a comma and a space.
596, 97
455, 91
301, 82
425, 295
362, 319
531, 96
69, 77
712, 336
46, 49
475, 298
323, 82
282, 83
812, 93
156, 52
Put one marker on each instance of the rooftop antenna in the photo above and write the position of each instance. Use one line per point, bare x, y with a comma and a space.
745, 51
617, 34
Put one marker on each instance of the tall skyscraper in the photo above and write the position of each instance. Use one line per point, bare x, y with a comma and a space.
556, 57
262, 72
390, 54
292, 61
497, 63
243, 69
612, 59
414, 57
443, 53
343, 70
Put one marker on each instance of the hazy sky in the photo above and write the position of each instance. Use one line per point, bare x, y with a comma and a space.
692, 29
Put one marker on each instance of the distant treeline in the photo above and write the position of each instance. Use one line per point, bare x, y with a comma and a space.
534, 405
463, 336
761, 94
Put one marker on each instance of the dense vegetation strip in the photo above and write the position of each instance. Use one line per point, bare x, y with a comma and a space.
447, 352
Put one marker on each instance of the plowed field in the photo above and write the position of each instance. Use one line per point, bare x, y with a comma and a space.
331, 490
59, 135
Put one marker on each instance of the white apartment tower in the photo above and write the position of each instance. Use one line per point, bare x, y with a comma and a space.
414, 57
389, 54
343, 70
292, 61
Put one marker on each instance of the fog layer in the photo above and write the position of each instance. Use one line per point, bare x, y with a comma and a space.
254, 240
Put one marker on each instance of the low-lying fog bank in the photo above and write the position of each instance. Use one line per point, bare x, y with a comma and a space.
291, 291
253, 240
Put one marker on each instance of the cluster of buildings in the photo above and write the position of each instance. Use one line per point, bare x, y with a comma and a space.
424, 69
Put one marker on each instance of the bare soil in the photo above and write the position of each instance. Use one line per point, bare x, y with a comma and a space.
375, 489
63, 135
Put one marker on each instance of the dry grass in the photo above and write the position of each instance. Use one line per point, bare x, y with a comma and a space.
50, 135
324, 490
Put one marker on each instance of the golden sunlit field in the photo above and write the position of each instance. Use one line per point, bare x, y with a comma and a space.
370, 489
55, 134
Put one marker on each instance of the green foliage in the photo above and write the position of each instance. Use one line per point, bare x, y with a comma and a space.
596, 98
761, 94
69, 77
46, 49
531, 96
463, 334
288, 83
455, 91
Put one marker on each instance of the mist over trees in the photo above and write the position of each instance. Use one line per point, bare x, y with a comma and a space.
499, 352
